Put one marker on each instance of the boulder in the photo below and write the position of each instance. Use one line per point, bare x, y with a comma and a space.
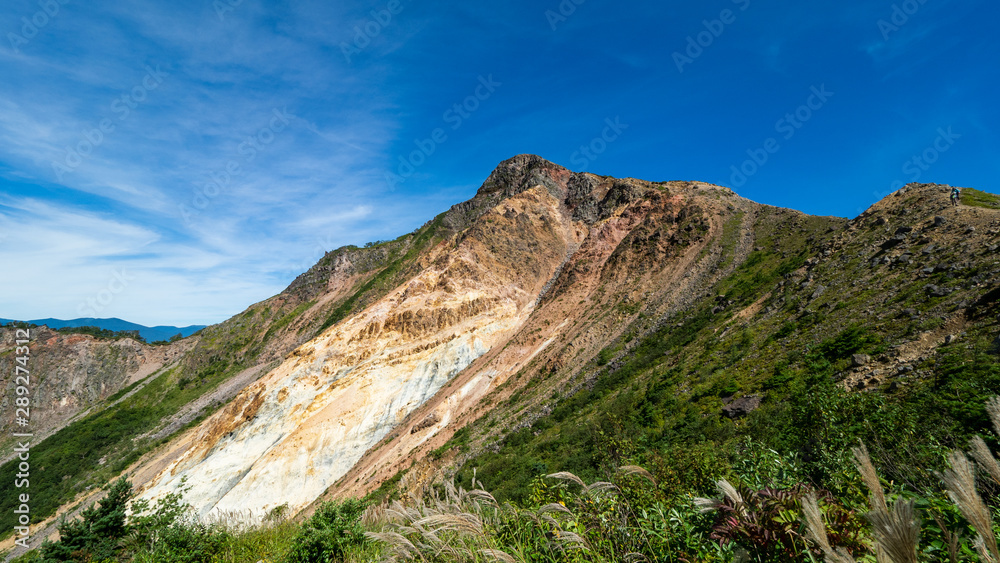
742, 406
860, 360
894, 241
936, 291
427, 422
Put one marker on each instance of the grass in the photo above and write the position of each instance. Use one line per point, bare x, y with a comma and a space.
91, 450
661, 405
977, 198
764, 509
384, 280
287, 319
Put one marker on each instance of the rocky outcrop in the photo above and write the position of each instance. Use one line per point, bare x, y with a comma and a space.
470, 309
741, 407
383, 352
291, 434
74, 372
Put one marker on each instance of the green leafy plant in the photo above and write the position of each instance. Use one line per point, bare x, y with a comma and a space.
330, 533
768, 523
97, 534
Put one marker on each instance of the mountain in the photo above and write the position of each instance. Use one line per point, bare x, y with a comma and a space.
150, 334
559, 321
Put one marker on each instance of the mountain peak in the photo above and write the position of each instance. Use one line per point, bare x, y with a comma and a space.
524, 172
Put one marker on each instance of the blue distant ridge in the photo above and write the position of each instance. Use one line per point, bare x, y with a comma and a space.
150, 334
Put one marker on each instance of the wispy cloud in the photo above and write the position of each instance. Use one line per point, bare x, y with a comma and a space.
218, 157
166, 143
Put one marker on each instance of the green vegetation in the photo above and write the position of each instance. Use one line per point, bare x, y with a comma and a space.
332, 531
172, 339
101, 445
764, 511
102, 333
662, 405
168, 532
385, 280
977, 198
286, 320
97, 533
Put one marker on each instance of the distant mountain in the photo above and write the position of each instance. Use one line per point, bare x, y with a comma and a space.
151, 334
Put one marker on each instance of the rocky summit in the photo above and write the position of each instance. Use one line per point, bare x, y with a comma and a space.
554, 318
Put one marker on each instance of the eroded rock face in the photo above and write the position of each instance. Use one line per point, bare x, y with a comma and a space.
290, 435
527, 256
72, 372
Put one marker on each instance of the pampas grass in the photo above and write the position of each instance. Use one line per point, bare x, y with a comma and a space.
449, 526
589, 522
896, 531
816, 531
960, 482
863, 462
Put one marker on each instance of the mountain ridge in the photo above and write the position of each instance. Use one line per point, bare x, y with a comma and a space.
566, 280
114, 324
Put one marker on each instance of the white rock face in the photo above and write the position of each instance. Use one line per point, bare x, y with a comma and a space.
286, 438
289, 436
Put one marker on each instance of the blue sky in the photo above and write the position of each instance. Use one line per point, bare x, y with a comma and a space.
174, 162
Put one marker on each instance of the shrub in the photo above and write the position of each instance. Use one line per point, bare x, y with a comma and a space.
97, 535
185, 542
330, 533
768, 523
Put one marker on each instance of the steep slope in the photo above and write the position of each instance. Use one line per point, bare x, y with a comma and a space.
74, 372
829, 332
86, 449
547, 258
650, 254
566, 321
288, 436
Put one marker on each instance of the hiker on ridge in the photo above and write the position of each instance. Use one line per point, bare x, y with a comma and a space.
955, 193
